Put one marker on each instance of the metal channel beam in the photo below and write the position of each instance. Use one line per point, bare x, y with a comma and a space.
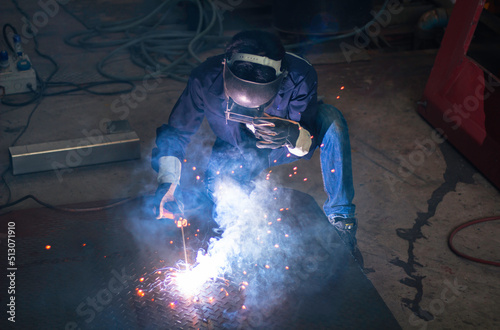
74, 153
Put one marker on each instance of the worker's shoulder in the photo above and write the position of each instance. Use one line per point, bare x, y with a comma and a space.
299, 70
297, 59
298, 64
211, 66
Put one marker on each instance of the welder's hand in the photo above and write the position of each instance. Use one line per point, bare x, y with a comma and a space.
275, 132
167, 205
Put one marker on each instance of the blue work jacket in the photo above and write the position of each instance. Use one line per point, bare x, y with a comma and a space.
204, 97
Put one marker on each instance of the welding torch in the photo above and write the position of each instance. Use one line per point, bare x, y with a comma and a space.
167, 206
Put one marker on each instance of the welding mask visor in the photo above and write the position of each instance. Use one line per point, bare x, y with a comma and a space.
248, 99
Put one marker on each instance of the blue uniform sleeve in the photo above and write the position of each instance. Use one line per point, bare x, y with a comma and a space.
185, 119
303, 101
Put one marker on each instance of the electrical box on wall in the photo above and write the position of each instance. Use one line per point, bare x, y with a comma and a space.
16, 74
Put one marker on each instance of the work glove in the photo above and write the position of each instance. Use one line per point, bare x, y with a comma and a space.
168, 205
276, 132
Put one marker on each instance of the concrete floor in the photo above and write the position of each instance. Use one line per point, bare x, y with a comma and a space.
405, 214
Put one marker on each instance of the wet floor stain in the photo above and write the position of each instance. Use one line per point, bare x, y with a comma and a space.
458, 170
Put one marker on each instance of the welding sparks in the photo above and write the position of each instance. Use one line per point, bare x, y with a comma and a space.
248, 238
190, 282
211, 264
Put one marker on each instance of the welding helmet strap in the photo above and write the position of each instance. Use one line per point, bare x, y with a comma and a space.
262, 60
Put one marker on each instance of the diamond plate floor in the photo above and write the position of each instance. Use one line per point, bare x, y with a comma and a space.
97, 262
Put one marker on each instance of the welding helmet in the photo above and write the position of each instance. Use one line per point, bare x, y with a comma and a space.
248, 99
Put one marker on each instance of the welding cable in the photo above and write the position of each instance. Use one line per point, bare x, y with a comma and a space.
71, 88
35, 94
35, 40
339, 36
2, 176
44, 84
463, 255
134, 22
125, 26
202, 33
183, 58
88, 86
69, 209
5, 38
33, 97
149, 46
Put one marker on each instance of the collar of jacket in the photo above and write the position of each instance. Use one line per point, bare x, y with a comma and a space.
217, 88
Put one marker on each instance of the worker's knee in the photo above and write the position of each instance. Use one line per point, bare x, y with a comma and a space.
331, 120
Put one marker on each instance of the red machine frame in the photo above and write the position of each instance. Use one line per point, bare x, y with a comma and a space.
461, 98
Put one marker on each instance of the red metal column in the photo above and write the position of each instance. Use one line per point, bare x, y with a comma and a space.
460, 98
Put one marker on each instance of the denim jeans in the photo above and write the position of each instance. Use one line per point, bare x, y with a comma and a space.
335, 158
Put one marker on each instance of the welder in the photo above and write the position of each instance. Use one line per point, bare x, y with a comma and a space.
261, 103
